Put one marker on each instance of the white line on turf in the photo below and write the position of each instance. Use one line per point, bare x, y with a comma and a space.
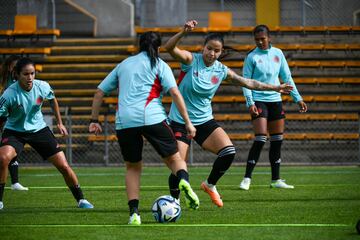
166, 187
165, 173
319, 225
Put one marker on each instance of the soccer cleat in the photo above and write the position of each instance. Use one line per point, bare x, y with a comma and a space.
83, 203
17, 186
213, 193
191, 199
245, 183
134, 219
1, 205
280, 183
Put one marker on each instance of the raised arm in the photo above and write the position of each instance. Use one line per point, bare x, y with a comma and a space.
233, 78
56, 110
94, 126
183, 56
180, 104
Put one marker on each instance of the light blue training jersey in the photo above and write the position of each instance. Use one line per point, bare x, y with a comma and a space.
198, 84
267, 66
22, 108
140, 90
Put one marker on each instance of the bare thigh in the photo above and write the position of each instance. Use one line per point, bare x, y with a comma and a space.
216, 141
260, 126
276, 126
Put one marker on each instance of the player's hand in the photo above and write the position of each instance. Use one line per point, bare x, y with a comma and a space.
95, 128
253, 111
190, 25
62, 130
285, 88
191, 130
302, 106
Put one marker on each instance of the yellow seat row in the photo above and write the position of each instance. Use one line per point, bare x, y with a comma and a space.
246, 117
299, 63
285, 98
249, 29
21, 51
248, 47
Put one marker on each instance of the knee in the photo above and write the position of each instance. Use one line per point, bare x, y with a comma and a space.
227, 152
5, 158
134, 166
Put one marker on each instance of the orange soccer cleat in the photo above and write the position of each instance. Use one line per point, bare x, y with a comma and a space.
213, 193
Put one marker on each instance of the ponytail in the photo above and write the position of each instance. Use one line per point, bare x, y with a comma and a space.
150, 43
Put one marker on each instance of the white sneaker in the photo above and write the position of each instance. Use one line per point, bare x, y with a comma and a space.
17, 186
134, 219
280, 183
245, 183
83, 203
1, 205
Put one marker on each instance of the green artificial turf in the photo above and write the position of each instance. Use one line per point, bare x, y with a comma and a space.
325, 204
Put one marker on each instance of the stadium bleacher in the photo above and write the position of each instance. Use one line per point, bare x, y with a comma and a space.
326, 73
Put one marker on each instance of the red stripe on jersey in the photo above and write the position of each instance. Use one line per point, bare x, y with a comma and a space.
181, 77
155, 91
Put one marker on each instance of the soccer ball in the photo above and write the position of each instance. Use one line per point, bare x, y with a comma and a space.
165, 209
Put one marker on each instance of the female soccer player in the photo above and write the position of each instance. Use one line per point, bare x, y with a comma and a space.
141, 81
200, 77
7, 78
21, 105
267, 64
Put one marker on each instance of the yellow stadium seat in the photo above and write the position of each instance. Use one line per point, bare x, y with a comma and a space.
53, 32
24, 25
220, 21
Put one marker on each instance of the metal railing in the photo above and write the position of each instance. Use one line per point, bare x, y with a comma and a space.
80, 149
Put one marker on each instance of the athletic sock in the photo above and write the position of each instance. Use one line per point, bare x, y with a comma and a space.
77, 192
221, 164
275, 155
254, 154
13, 170
2, 187
134, 206
174, 186
182, 174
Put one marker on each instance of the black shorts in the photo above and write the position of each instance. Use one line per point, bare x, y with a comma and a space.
159, 135
270, 110
43, 141
203, 131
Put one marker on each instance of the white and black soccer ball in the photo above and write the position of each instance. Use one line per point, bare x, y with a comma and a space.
165, 209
